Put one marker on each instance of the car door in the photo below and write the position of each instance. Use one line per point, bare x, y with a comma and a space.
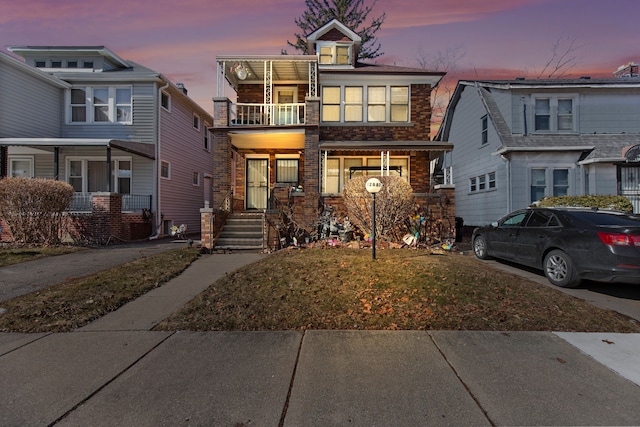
534, 235
504, 235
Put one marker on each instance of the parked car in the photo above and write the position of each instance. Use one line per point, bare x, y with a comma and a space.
568, 244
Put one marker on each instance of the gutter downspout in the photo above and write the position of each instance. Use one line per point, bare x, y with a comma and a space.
156, 165
508, 180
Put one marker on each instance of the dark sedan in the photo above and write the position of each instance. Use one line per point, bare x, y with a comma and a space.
568, 244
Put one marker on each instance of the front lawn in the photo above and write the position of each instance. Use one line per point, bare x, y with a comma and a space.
402, 289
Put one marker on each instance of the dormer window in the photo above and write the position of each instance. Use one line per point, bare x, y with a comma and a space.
334, 54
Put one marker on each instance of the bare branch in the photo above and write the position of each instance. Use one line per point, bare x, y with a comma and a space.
563, 58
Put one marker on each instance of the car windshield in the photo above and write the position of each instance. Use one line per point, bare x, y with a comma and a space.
603, 218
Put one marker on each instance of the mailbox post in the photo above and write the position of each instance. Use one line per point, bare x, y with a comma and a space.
373, 185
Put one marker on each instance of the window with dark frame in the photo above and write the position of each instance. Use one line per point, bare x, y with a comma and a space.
287, 171
165, 169
485, 130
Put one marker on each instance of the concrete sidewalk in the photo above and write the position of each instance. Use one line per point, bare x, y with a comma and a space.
315, 378
117, 372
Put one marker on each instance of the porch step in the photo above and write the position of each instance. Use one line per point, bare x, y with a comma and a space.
241, 231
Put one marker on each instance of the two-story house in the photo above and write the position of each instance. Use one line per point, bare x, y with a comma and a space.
110, 128
517, 141
303, 125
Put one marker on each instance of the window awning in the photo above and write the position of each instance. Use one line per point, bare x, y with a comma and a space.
138, 148
386, 145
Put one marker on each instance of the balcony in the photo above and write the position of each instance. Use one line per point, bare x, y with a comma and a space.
267, 114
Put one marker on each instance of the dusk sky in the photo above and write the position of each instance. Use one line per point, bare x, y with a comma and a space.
180, 39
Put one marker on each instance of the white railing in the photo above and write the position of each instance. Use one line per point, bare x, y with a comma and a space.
448, 175
83, 202
267, 114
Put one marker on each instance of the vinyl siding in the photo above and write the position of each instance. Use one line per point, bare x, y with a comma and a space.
142, 129
29, 107
471, 159
182, 146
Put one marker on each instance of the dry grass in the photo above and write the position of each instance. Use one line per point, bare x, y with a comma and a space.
78, 302
14, 255
402, 289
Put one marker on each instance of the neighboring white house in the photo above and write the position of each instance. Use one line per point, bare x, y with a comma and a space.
83, 115
517, 141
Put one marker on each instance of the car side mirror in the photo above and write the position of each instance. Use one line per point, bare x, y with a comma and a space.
494, 224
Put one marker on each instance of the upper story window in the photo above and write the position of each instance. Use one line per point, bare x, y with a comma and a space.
485, 130
196, 122
100, 105
165, 101
381, 103
554, 114
206, 138
334, 54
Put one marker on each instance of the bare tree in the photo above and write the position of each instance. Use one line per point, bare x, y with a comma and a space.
564, 58
445, 61
352, 13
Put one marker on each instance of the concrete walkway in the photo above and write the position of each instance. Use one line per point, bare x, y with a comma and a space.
117, 372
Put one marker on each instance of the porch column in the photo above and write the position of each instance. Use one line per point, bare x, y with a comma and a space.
221, 151
4, 161
56, 162
311, 160
108, 169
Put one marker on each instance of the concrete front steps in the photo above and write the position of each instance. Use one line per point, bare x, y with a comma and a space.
242, 231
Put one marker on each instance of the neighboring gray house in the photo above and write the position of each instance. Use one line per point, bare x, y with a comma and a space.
83, 115
517, 141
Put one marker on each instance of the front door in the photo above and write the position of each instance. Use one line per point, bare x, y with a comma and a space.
257, 183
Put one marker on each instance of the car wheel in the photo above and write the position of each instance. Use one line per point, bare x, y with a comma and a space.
559, 269
480, 247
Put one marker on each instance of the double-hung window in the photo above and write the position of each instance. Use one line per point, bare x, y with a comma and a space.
353, 104
399, 103
565, 114
561, 182
376, 103
538, 184
100, 105
347, 104
543, 114
334, 54
331, 104
554, 113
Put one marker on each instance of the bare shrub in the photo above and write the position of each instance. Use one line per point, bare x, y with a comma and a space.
394, 203
33, 208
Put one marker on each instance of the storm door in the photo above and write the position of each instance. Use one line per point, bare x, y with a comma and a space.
629, 181
257, 183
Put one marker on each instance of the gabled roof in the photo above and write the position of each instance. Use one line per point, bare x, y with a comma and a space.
596, 147
334, 24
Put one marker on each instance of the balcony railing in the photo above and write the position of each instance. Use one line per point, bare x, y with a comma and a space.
83, 202
267, 114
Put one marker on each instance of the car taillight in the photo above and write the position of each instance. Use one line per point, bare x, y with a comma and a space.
616, 239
